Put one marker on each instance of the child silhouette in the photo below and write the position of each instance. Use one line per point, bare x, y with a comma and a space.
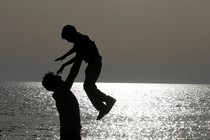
86, 50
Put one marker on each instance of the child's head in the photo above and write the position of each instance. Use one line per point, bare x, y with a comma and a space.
51, 81
69, 33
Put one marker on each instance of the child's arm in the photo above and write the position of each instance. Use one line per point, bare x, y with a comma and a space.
66, 64
65, 55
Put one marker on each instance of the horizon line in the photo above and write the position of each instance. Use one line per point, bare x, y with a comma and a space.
108, 82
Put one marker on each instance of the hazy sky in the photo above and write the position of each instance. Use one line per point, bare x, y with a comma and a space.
165, 41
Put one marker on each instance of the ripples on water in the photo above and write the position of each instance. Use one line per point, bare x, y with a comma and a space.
142, 111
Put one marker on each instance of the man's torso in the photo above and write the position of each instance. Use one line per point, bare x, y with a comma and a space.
68, 109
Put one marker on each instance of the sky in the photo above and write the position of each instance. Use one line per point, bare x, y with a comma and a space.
144, 41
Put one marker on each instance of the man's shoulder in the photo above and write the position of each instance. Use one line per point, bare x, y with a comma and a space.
62, 91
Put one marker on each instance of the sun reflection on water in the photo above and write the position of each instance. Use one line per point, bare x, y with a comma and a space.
156, 111
142, 111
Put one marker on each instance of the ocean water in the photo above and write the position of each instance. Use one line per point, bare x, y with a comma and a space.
142, 112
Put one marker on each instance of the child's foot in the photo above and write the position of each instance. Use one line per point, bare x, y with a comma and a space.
109, 104
101, 114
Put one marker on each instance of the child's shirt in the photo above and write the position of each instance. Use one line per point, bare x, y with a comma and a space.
87, 49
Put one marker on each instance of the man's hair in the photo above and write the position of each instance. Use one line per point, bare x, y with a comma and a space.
48, 81
68, 30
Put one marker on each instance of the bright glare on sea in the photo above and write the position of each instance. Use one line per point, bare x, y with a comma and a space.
142, 112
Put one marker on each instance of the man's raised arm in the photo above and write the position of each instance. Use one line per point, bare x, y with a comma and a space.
74, 71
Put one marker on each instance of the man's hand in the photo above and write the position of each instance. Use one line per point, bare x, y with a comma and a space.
60, 70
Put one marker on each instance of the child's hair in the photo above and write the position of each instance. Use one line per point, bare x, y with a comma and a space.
68, 30
48, 81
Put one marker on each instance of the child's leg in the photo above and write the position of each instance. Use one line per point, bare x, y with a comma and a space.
97, 97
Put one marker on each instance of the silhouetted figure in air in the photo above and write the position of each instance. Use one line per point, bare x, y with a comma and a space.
86, 50
66, 103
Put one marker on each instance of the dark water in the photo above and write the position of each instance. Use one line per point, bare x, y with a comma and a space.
142, 111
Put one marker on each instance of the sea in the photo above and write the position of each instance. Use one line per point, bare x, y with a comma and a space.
142, 112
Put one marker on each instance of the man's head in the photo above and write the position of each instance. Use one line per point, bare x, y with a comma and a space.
51, 81
69, 33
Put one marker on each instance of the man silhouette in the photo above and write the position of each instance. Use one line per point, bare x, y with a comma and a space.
66, 103
86, 50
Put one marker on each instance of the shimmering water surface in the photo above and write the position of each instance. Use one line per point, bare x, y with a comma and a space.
142, 111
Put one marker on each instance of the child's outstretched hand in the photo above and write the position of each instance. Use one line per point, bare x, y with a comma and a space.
60, 58
60, 70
